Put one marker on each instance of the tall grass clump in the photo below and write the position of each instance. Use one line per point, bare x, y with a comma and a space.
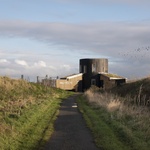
128, 123
27, 113
120, 107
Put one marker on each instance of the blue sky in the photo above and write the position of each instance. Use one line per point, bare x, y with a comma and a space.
48, 37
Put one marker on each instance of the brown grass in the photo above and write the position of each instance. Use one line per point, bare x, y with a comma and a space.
121, 109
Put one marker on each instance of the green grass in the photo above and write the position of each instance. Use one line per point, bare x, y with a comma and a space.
27, 114
111, 133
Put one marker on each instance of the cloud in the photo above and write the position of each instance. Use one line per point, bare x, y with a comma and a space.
21, 62
4, 61
104, 36
16, 68
40, 64
115, 40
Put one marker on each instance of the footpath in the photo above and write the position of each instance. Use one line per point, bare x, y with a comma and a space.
70, 132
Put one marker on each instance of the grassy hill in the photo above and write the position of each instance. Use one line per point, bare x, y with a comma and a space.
27, 113
138, 90
119, 118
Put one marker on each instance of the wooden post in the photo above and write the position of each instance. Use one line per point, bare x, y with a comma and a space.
37, 79
22, 77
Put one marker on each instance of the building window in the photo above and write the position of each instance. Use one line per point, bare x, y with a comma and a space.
93, 81
93, 67
85, 69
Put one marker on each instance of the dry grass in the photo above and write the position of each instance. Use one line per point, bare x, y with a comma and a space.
133, 115
26, 111
105, 100
15, 95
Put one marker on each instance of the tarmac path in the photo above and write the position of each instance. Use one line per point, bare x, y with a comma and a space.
70, 132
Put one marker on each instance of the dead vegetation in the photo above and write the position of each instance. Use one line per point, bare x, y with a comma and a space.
128, 104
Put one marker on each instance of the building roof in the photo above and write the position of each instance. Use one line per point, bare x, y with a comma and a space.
112, 76
72, 76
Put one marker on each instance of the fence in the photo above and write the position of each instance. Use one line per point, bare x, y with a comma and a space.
47, 81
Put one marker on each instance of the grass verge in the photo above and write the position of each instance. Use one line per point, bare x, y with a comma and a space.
110, 133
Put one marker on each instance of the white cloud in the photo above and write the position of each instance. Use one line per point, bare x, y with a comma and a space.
40, 64
4, 61
21, 62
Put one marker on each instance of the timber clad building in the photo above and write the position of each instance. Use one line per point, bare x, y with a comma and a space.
91, 72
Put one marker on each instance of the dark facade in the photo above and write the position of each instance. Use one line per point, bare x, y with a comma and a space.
109, 81
90, 66
95, 72
91, 69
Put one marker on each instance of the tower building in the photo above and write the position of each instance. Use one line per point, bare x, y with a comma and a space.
91, 69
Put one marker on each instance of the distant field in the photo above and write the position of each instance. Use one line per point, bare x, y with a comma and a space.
27, 113
119, 118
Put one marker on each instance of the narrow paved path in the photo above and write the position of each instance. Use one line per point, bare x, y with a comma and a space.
70, 132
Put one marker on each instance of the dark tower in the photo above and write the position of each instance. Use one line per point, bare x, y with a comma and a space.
91, 69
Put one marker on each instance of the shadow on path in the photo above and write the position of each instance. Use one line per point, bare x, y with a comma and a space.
70, 132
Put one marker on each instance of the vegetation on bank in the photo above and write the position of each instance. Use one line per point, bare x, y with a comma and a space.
138, 92
27, 113
119, 119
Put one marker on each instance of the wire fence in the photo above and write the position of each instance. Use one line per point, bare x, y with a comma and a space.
47, 81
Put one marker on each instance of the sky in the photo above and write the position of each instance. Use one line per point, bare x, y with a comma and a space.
48, 37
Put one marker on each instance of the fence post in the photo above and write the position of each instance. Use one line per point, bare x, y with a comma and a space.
37, 79
22, 77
